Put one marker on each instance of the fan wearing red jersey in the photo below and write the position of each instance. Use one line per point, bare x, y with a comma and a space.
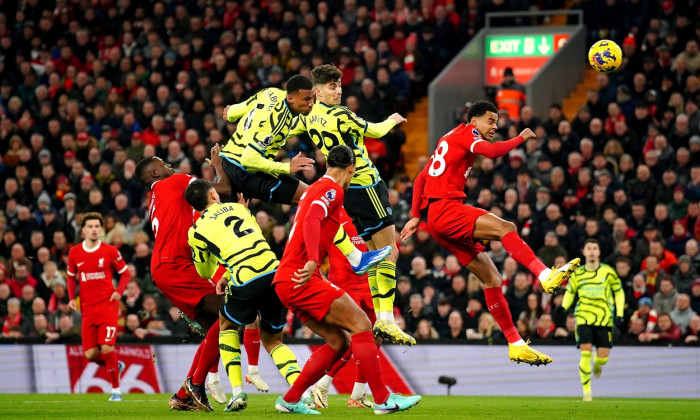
438, 193
93, 261
322, 306
172, 269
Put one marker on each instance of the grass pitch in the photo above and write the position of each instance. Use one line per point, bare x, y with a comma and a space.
150, 407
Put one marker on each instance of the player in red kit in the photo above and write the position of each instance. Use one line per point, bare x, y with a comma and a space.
322, 306
92, 263
173, 271
356, 287
438, 192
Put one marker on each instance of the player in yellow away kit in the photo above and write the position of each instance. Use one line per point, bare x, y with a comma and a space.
367, 198
227, 234
264, 123
598, 288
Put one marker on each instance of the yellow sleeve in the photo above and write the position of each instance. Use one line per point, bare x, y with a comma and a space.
236, 111
205, 263
619, 293
299, 127
570, 294
253, 159
377, 130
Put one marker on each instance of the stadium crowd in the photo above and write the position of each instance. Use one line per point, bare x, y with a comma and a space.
87, 89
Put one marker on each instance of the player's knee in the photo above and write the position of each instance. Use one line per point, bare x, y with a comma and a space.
106, 349
91, 354
394, 256
507, 227
338, 342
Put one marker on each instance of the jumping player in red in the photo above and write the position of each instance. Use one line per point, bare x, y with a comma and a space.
356, 286
173, 271
321, 305
438, 192
92, 261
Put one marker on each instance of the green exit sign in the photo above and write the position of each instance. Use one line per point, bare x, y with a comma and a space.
524, 45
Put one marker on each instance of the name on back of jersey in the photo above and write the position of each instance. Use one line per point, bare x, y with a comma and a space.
273, 99
318, 119
220, 212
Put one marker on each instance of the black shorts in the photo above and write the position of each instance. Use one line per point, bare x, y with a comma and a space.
590, 334
260, 185
243, 303
369, 209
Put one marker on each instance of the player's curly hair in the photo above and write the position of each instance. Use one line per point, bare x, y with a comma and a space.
479, 108
325, 73
340, 156
91, 216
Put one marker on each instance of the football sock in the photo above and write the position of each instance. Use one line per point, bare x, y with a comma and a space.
600, 361
325, 382
498, 306
315, 367
374, 288
358, 391
116, 390
209, 356
340, 363
112, 367
522, 253
386, 283
230, 349
344, 244
100, 360
251, 342
213, 377
215, 366
365, 351
181, 393
286, 362
584, 370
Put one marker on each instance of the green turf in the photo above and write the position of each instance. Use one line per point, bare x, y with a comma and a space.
150, 407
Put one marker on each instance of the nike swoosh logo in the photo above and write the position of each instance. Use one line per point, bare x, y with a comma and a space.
79, 264
394, 408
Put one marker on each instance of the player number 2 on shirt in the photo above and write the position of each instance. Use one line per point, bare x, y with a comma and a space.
438, 166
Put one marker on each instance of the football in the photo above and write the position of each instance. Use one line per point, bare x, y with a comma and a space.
605, 56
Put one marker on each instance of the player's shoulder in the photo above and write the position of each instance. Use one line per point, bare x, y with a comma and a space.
107, 248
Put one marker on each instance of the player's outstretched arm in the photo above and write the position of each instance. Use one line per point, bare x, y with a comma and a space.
410, 227
223, 184
498, 149
377, 130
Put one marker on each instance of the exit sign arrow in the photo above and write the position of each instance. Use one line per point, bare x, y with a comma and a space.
544, 46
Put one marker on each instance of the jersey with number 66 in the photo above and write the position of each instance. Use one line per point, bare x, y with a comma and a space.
450, 164
171, 217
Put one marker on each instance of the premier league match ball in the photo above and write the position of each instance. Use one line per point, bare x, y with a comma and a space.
605, 56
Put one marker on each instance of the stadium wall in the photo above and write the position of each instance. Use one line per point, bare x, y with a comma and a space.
645, 372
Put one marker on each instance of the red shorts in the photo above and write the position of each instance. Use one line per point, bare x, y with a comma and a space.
181, 284
363, 297
453, 226
100, 326
311, 301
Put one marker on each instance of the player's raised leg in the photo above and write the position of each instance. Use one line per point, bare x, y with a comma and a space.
518, 350
385, 275
491, 227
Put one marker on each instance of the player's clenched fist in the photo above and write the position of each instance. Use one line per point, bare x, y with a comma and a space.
527, 134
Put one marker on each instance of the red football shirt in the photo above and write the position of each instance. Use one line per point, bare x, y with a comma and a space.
340, 272
329, 195
450, 164
171, 218
93, 269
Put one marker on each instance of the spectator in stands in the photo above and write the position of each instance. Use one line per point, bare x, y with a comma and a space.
487, 329
682, 313
14, 316
511, 94
517, 294
425, 331
568, 331
666, 330
693, 330
404, 291
665, 298
533, 312
67, 332
418, 311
